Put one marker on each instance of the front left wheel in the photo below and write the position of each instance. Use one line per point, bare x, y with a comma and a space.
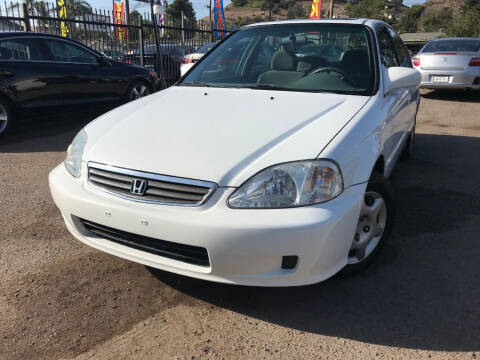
6, 117
374, 223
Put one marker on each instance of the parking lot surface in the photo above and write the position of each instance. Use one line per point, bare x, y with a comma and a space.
420, 299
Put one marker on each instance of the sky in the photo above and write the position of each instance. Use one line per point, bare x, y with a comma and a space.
198, 5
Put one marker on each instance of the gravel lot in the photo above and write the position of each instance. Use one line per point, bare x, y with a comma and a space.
421, 299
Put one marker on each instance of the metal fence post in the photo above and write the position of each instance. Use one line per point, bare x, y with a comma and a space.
26, 18
140, 38
183, 27
158, 58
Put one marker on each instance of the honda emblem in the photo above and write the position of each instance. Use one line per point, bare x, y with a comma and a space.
138, 187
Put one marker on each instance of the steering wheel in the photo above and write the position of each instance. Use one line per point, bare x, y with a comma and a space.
328, 69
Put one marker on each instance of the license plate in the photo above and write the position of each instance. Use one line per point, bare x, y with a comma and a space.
440, 79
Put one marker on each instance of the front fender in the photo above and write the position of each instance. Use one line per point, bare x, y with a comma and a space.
359, 145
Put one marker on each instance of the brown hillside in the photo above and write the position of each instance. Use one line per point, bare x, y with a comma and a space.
453, 4
233, 13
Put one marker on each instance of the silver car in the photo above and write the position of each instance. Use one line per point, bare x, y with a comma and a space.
452, 63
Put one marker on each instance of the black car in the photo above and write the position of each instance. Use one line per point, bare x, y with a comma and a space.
40, 72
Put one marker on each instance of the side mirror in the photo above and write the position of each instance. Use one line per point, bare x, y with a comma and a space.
400, 77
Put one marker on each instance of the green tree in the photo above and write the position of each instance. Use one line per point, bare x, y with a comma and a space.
371, 9
78, 7
268, 5
175, 10
239, 3
41, 8
135, 17
438, 20
296, 11
410, 20
467, 22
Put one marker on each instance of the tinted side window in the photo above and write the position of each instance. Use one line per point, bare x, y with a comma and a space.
387, 52
402, 53
63, 51
21, 49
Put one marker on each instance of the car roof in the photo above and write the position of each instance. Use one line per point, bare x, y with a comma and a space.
29, 33
368, 22
10, 34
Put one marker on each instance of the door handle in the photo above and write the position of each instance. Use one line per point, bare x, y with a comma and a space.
70, 76
6, 73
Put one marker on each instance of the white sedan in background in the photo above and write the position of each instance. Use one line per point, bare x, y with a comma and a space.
275, 174
450, 63
190, 59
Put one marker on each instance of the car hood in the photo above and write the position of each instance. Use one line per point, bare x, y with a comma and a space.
218, 134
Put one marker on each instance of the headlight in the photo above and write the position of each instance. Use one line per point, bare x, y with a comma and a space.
291, 184
73, 162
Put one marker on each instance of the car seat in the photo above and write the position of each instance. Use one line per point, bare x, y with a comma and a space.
356, 65
283, 70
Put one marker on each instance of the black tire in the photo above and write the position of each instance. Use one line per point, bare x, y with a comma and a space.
7, 118
381, 185
137, 84
409, 145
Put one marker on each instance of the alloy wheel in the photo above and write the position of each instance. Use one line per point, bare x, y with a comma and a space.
3, 118
139, 91
370, 228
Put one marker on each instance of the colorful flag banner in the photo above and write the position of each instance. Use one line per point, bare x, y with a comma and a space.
219, 18
119, 18
62, 14
316, 9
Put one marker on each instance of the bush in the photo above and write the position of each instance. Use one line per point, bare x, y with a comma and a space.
239, 3
438, 20
467, 23
410, 20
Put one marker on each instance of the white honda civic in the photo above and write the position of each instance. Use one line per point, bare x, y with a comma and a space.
267, 164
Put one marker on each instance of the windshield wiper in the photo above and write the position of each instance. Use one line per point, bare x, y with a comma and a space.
269, 87
196, 83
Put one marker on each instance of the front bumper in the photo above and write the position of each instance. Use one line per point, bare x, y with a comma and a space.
244, 246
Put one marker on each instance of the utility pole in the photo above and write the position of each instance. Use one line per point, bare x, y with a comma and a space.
331, 9
183, 27
210, 17
127, 12
210, 11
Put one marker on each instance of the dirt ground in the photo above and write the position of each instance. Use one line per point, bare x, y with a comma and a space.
420, 299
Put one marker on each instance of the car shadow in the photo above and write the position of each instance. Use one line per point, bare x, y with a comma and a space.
452, 95
422, 292
47, 132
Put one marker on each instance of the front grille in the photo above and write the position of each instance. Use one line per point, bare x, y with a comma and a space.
187, 253
152, 188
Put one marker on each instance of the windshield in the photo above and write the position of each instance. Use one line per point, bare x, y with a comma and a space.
453, 45
295, 57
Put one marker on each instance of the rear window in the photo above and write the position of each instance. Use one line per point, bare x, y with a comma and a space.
452, 45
